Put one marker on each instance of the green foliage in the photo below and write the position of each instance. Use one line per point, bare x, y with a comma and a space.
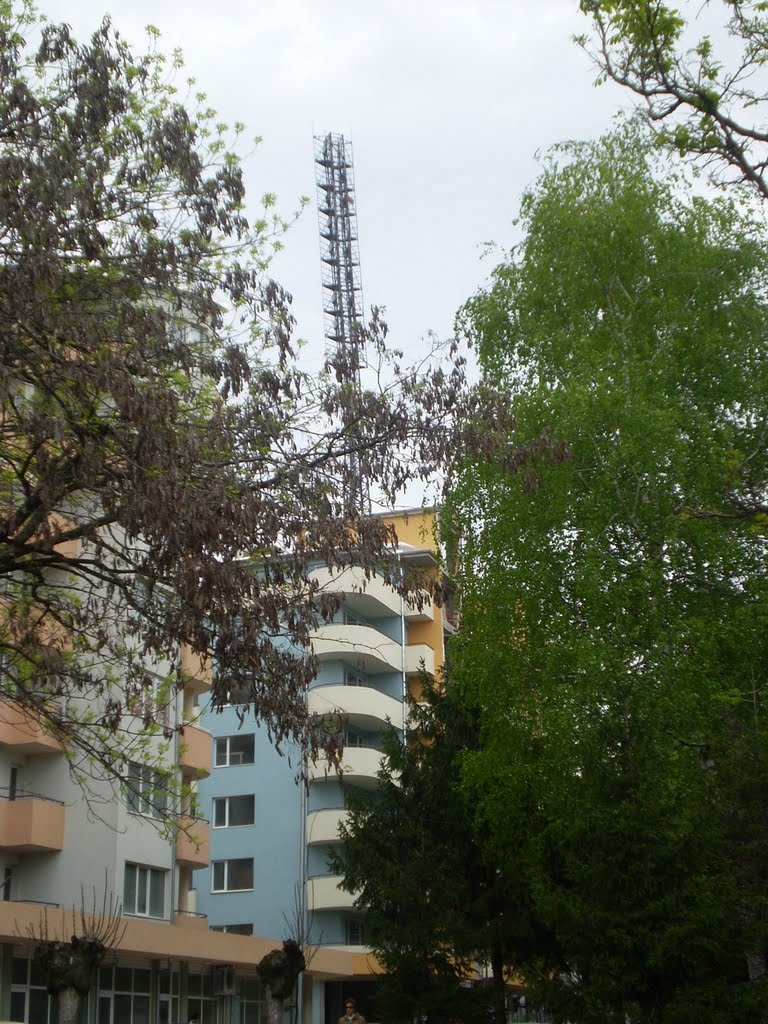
700, 104
435, 905
614, 602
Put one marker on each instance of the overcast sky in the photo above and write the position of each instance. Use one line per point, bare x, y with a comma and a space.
446, 104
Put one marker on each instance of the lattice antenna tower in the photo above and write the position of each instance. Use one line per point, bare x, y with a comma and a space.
342, 284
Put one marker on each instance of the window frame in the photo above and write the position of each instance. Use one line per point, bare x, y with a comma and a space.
146, 791
226, 802
228, 762
144, 877
225, 864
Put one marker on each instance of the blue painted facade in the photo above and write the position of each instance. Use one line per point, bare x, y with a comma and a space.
278, 856
284, 855
273, 841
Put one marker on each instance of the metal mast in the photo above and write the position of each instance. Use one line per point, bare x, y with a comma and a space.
342, 285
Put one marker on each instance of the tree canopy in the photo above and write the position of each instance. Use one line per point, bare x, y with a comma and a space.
435, 905
704, 99
614, 602
168, 472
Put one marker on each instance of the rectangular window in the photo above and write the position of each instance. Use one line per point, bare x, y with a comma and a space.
151, 700
353, 738
234, 750
232, 875
355, 932
234, 929
354, 678
231, 811
144, 891
147, 790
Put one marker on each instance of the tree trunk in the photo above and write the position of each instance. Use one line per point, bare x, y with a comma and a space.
756, 965
274, 1008
499, 989
69, 1005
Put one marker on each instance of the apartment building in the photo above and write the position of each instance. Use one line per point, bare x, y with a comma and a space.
270, 836
62, 849
203, 904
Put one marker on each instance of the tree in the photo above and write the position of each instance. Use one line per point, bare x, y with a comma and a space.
614, 603
168, 473
70, 962
703, 101
279, 971
435, 906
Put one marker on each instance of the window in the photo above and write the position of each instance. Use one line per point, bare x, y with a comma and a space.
233, 750
354, 678
238, 695
147, 790
355, 932
144, 891
232, 875
353, 738
150, 700
233, 929
231, 811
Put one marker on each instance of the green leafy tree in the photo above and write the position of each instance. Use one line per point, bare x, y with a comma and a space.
614, 604
435, 905
168, 472
704, 99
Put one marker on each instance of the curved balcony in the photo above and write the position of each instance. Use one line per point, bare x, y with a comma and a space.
369, 597
194, 751
323, 893
415, 654
424, 614
20, 730
193, 842
360, 766
362, 647
363, 706
323, 826
31, 823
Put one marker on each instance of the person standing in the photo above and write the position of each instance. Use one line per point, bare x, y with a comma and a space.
351, 1016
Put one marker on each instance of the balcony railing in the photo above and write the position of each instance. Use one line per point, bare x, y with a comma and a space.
323, 893
323, 826
20, 730
363, 706
418, 656
193, 842
30, 822
197, 670
190, 919
360, 766
361, 646
195, 751
369, 597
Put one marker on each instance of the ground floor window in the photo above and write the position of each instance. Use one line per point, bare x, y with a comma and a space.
30, 1002
124, 995
252, 1003
201, 1000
